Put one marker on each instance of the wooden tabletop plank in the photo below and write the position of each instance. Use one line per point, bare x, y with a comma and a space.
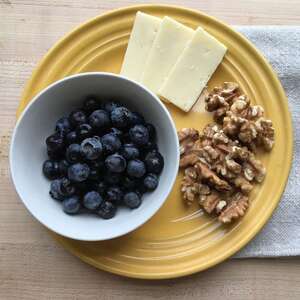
32, 265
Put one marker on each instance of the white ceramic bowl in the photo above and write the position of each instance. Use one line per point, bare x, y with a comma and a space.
28, 153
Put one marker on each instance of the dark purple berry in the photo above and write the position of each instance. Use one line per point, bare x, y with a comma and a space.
115, 163
139, 135
130, 151
51, 169
120, 117
73, 153
114, 194
110, 143
77, 117
136, 168
55, 142
154, 162
99, 119
61, 188
63, 126
107, 210
132, 200
71, 205
78, 172
92, 200
150, 182
91, 148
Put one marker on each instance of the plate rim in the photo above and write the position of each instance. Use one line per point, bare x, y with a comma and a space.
277, 86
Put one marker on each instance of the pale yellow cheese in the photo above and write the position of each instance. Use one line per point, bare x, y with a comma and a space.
140, 43
169, 42
193, 70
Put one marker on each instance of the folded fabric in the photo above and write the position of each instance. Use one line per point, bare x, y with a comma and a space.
281, 235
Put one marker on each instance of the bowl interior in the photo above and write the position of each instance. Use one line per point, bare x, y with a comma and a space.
28, 153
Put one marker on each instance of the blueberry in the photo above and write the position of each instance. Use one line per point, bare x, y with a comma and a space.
154, 162
151, 130
73, 153
55, 142
92, 200
129, 183
130, 151
139, 135
63, 166
136, 168
71, 205
61, 188
132, 200
115, 163
91, 148
151, 181
112, 178
117, 132
91, 104
77, 117
135, 118
71, 137
114, 194
120, 117
110, 143
78, 172
110, 106
84, 131
99, 119
63, 125
107, 210
51, 169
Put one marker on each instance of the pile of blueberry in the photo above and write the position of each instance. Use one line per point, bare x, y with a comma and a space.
100, 157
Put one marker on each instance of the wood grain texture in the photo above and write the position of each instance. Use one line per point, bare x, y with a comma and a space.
32, 265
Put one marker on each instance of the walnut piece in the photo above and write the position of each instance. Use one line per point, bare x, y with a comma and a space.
235, 209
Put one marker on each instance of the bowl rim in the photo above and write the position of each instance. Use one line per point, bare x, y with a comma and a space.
38, 97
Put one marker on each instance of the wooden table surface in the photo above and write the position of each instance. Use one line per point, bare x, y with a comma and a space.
32, 265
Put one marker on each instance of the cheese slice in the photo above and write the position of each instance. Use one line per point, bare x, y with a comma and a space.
193, 70
169, 42
141, 39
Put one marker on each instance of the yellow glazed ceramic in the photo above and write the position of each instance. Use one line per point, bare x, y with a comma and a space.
178, 240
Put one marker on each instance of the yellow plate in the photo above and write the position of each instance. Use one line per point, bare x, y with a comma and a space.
177, 241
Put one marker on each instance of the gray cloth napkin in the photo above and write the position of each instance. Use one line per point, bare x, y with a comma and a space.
281, 235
